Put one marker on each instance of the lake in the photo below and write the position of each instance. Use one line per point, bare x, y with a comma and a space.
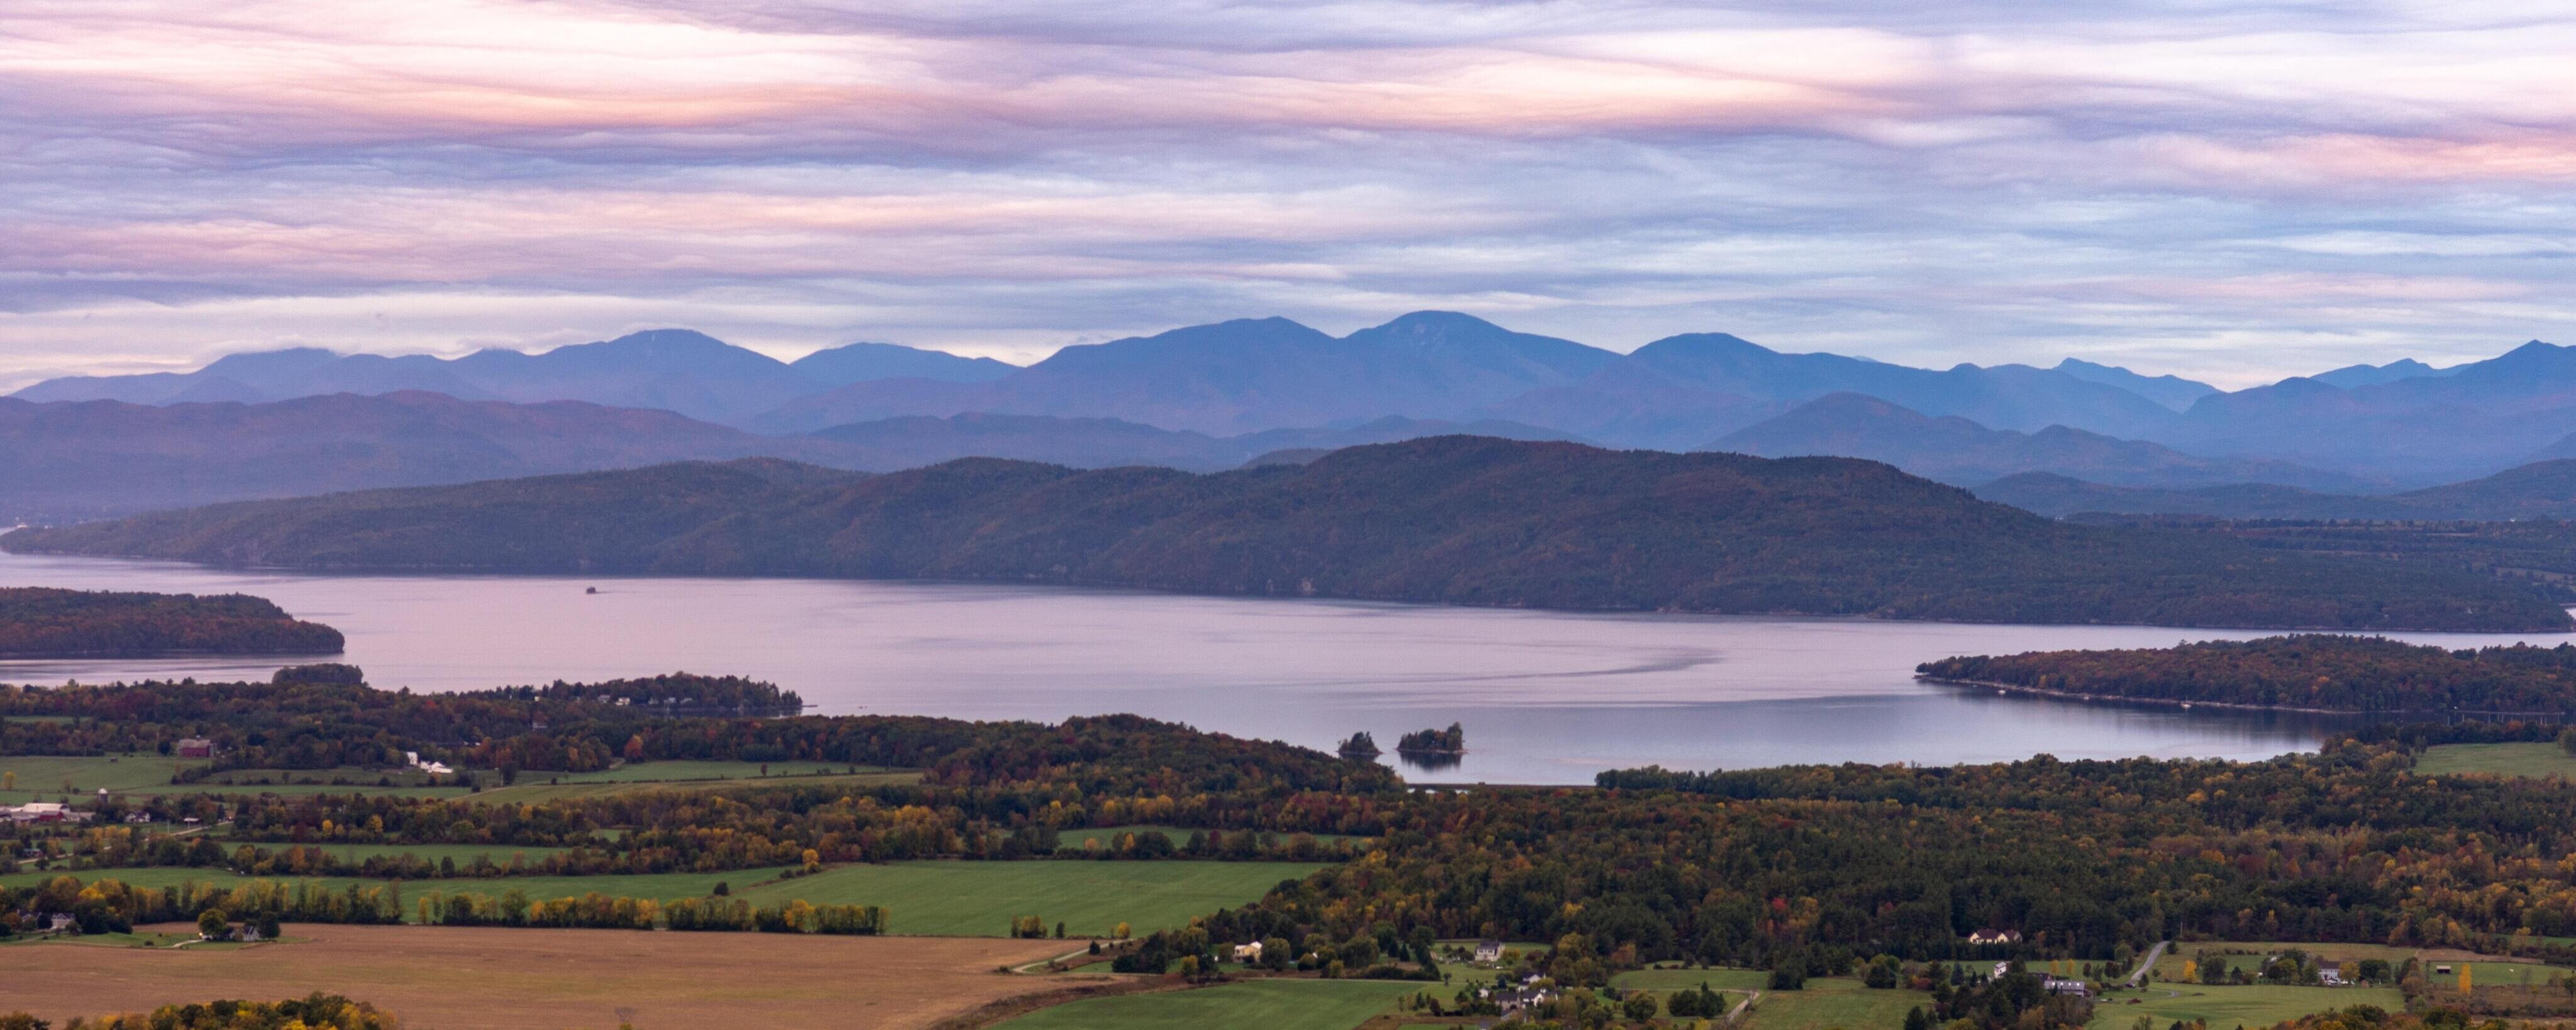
1546, 697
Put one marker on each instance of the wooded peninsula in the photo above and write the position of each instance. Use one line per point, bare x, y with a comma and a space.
41, 622
2307, 672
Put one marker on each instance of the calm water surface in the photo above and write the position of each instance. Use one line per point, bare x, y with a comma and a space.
1546, 697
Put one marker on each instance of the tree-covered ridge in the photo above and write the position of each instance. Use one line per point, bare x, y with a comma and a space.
1456, 520
42, 622
2324, 672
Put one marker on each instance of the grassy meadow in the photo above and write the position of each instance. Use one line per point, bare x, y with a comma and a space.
1832, 1002
658, 886
1732, 980
148, 775
2258, 1005
979, 899
2522, 759
1265, 1004
1106, 835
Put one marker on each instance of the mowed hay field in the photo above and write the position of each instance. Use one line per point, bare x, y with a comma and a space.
2258, 1005
510, 979
930, 898
1833, 1002
979, 899
2519, 759
657, 886
1254, 1005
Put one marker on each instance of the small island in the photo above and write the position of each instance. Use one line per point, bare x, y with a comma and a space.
2314, 672
43, 622
1451, 741
1360, 748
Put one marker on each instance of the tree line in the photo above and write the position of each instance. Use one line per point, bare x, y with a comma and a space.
2308, 671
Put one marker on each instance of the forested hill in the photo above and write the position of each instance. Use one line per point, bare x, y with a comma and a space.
2309, 671
39, 622
1460, 520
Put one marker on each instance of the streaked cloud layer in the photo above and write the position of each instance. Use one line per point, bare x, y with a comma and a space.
2233, 190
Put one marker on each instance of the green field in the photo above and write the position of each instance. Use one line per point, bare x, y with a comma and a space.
1833, 1002
658, 886
2258, 1005
532, 788
1737, 980
42, 778
463, 853
1262, 1004
1176, 834
2169, 967
936, 898
979, 899
680, 770
2498, 759
2498, 974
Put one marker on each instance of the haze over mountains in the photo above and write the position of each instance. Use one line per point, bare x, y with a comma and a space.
1215, 396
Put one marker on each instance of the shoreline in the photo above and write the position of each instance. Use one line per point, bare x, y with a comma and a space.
2068, 695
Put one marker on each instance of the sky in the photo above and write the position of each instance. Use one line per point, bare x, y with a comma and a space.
2233, 191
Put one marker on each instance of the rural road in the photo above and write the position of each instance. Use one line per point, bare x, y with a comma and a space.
2138, 977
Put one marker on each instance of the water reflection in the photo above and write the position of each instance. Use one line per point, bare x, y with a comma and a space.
1431, 761
1549, 697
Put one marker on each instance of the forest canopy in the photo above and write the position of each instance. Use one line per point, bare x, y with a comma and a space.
1450, 520
2322, 672
42, 622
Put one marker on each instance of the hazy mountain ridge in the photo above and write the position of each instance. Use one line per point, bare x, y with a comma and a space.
677, 370
70, 460
2536, 490
2469, 420
1459, 520
2400, 424
1960, 452
67, 461
2540, 490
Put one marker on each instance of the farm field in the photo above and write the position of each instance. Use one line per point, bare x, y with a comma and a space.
2169, 967
462, 853
1832, 1002
515, 979
2523, 759
1267, 1004
2258, 1005
658, 886
688, 769
41, 778
1736, 980
1176, 834
532, 788
979, 899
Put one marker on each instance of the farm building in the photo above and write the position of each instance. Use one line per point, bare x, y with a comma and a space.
42, 812
194, 747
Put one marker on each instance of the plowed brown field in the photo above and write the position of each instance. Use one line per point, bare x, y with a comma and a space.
488, 978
